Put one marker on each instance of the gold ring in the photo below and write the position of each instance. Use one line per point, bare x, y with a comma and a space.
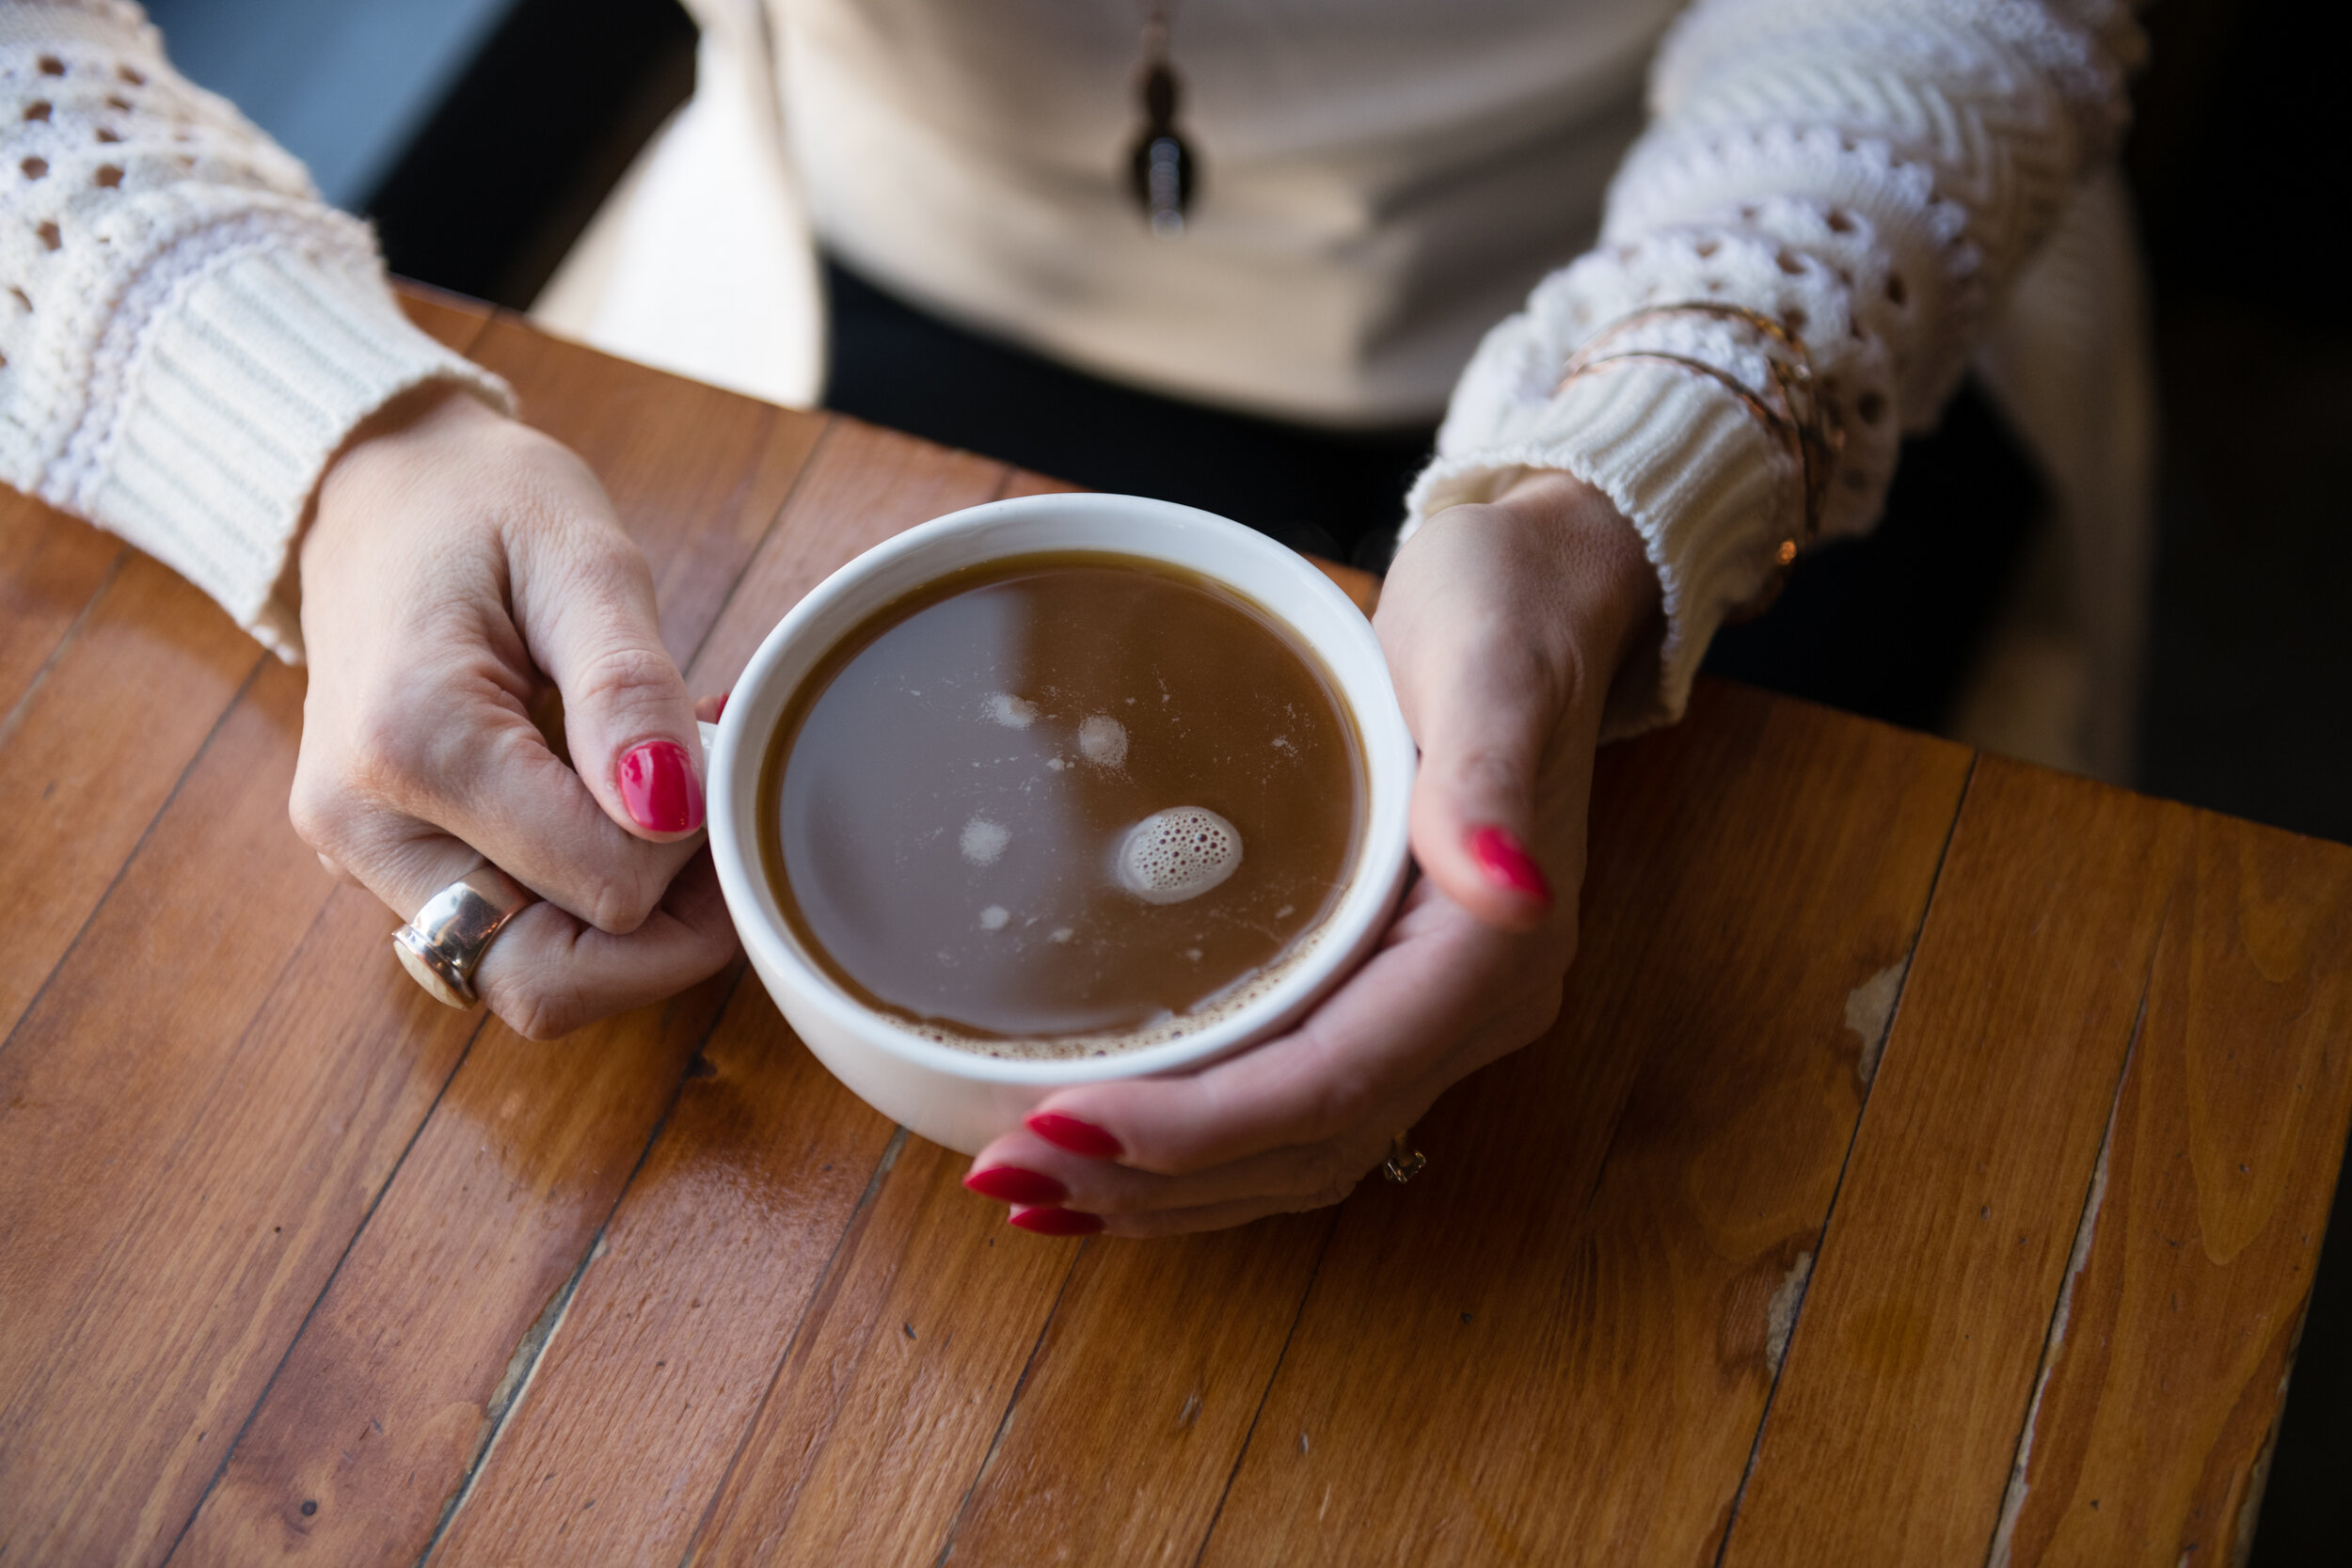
1405, 1162
443, 946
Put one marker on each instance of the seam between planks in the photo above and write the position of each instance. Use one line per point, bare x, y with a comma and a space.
65, 639
237, 1439
1249, 1436
827, 1287
1004, 1424
1829, 1216
1004, 481
775, 518
65, 955
2079, 1258
559, 1305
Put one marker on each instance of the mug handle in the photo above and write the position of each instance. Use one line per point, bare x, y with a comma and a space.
710, 739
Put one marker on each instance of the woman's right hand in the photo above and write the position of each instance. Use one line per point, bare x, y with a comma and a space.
459, 563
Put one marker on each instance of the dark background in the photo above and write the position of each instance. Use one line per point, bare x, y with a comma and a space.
481, 134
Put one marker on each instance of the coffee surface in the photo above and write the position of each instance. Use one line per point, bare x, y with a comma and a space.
1059, 798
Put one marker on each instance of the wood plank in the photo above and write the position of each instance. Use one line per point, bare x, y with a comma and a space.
198, 1112
385, 1401
674, 1331
51, 568
2165, 1380
1556, 1344
1141, 1397
1893, 1429
898, 1380
90, 756
638, 1338
380, 1410
864, 485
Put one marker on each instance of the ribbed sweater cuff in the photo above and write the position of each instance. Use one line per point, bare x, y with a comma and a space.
1700, 478
240, 390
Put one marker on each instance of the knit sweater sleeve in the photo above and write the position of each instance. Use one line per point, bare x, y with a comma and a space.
187, 334
1866, 173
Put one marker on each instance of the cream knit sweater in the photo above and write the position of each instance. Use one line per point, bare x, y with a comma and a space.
193, 334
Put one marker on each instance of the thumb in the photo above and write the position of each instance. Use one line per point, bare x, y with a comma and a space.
1474, 808
628, 719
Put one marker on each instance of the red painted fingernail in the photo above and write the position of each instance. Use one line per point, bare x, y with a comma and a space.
1012, 1184
1078, 1137
720, 711
1056, 1222
659, 787
1507, 863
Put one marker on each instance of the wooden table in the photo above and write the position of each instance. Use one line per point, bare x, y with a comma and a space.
1929, 1166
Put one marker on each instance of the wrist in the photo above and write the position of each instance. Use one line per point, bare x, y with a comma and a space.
1601, 571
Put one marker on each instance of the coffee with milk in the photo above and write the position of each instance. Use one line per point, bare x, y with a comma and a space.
1061, 806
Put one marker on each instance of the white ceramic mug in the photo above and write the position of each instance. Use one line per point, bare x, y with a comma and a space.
958, 1098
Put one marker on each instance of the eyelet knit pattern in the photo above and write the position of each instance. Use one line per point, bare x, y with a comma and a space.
186, 333
1869, 172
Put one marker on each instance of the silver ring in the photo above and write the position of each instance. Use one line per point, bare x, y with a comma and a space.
1405, 1162
443, 945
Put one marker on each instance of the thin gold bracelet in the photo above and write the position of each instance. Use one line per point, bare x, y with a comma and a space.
1810, 432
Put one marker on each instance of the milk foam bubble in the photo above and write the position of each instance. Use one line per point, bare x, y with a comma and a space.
1178, 854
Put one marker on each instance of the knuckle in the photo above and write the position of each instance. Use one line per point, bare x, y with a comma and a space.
394, 750
315, 808
622, 675
619, 904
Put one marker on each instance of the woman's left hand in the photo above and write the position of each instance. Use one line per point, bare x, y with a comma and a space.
1505, 625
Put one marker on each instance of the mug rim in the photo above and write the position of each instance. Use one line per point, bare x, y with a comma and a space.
1376, 873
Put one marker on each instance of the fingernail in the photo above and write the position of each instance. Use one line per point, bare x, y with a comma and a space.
720, 711
1507, 863
659, 787
1012, 1184
1056, 1222
1078, 1137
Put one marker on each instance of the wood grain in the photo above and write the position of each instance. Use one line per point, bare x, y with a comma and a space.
198, 1112
1907, 1381
51, 568
862, 484
2162, 1390
1590, 1264
386, 1401
1143, 1392
898, 1381
94, 751
674, 1331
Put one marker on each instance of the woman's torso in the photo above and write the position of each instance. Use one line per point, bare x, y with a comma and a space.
1381, 180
